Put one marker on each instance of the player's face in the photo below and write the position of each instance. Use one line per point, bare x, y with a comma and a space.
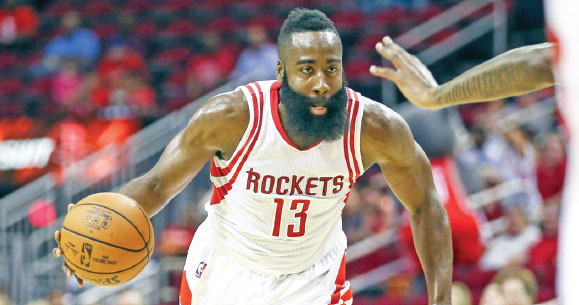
313, 90
313, 65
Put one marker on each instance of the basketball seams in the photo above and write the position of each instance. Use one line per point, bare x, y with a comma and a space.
68, 261
123, 216
132, 224
104, 242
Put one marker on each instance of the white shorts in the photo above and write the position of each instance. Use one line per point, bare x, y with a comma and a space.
211, 277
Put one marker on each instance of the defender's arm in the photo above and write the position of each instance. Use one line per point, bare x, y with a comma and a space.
515, 72
387, 140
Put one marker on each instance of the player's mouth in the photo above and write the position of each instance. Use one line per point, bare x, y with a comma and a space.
318, 110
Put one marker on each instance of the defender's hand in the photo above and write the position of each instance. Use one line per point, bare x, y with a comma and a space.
411, 76
57, 252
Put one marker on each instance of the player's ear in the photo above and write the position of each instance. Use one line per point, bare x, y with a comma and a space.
279, 70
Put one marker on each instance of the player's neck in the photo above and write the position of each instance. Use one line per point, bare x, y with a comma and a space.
298, 141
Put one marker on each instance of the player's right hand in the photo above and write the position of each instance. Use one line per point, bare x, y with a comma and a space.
57, 252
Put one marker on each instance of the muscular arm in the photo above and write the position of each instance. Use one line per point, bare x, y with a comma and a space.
216, 127
387, 140
516, 72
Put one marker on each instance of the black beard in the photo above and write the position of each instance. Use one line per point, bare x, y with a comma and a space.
310, 127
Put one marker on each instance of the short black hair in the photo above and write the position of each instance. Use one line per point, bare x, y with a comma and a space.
303, 20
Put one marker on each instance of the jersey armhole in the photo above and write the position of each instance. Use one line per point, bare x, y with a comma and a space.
253, 107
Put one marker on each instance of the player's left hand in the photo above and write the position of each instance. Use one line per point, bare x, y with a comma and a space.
411, 76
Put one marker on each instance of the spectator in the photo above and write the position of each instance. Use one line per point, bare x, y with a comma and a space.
4, 299
261, 54
551, 166
543, 255
119, 60
56, 297
517, 285
66, 84
206, 71
492, 295
511, 247
73, 42
18, 22
460, 294
130, 297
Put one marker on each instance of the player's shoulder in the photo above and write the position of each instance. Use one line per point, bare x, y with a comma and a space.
380, 120
220, 121
384, 132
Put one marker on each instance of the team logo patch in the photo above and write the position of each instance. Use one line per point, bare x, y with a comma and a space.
200, 269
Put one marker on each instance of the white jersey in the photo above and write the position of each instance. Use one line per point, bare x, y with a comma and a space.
276, 208
563, 23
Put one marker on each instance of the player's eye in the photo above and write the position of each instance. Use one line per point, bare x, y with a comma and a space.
333, 69
306, 70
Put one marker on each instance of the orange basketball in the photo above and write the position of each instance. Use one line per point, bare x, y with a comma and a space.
107, 239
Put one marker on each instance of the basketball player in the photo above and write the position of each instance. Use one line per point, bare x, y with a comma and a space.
284, 156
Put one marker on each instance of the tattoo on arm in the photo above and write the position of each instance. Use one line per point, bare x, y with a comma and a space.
518, 72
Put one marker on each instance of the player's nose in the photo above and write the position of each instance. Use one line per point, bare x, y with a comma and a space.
321, 87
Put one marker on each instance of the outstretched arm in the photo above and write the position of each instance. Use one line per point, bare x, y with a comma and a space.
216, 128
387, 140
515, 72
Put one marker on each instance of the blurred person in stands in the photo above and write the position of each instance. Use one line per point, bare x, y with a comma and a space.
461, 294
73, 42
512, 246
212, 67
130, 297
281, 234
543, 255
261, 54
67, 85
492, 295
18, 23
120, 59
57, 297
551, 167
517, 285
4, 299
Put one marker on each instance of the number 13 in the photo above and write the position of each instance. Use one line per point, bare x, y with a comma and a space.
301, 215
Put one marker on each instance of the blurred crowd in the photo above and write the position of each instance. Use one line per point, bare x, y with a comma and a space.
88, 74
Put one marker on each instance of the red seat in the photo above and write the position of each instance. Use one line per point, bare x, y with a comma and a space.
106, 31
222, 25
176, 55
145, 29
97, 8
10, 86
348, 20
8, 61
139, 5
180, 28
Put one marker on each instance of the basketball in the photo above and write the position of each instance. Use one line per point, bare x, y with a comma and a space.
107, 239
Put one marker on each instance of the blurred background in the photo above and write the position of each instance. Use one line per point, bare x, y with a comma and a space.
92, 91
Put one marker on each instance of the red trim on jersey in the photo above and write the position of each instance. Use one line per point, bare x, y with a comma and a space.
220, 192
217, 171
346, 154
340, 285
274, 97
353, 132
184, 292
